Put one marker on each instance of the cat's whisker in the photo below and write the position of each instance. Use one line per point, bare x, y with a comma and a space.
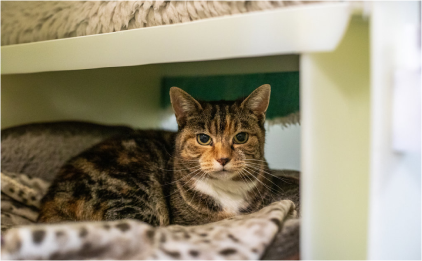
269, 173
194, 194
190, 160
177, 190
259, 168
257, 165
194, 176
256, 188
258, 179
256, 170
183, 177
254, 185
255, 160
193, 187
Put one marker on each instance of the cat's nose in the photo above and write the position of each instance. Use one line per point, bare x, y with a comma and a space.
223, 161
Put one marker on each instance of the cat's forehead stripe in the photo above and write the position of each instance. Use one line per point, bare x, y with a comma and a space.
229, 124
216, 119
222, 119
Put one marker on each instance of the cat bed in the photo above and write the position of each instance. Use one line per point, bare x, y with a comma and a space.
38, 150
129, 239
241, 237
24, 22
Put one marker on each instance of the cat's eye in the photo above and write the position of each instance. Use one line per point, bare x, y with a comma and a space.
241, 137
203, 139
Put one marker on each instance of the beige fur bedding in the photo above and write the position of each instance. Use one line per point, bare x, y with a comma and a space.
32, 21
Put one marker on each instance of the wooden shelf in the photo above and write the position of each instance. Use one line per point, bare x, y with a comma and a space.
300, 29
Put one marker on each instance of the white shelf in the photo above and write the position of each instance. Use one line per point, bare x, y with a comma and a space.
301, 29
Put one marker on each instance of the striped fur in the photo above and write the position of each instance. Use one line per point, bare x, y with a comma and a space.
167, 178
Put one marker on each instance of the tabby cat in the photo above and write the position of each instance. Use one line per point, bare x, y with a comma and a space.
212, 168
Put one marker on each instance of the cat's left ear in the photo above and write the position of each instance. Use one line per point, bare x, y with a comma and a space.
183, 104
258, 100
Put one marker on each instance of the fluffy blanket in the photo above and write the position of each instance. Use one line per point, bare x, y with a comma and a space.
20, 199
240, 237
31, 21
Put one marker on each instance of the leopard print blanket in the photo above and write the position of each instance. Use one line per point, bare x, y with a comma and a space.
20, 199
240, 237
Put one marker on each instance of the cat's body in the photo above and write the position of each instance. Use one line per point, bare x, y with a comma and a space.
119, 178
211, 169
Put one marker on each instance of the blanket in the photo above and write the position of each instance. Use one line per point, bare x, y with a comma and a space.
32, 21
20, 199
240, 237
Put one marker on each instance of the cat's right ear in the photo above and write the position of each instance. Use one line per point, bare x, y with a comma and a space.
183, 104
258, 100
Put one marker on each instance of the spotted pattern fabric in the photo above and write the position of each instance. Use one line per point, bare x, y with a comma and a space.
240, 237
20, 199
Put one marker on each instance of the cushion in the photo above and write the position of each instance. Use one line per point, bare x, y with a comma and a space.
24, 22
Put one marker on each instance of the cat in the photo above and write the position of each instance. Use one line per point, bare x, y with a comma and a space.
212, 168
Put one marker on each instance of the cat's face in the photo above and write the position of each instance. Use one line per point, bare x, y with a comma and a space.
221, 140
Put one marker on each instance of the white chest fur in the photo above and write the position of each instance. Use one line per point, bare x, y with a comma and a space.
230, 194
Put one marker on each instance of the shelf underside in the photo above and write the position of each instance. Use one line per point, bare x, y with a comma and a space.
294, 30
